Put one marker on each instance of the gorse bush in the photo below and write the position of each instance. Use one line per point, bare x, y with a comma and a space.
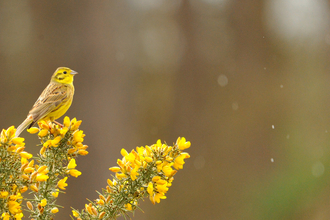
143, 172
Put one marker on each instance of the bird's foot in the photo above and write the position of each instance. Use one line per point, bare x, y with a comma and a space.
59, 124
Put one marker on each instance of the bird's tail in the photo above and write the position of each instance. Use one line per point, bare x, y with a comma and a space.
24, 124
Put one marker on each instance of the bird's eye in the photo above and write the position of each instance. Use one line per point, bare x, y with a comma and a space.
64, 72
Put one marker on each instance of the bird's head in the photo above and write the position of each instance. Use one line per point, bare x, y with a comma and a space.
63, 75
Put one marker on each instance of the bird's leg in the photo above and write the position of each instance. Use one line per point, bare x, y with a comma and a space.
58, 123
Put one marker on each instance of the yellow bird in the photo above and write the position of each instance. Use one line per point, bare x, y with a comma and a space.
54, 101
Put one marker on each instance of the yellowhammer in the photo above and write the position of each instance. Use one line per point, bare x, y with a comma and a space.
54, 101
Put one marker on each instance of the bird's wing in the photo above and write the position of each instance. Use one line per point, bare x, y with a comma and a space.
50, 98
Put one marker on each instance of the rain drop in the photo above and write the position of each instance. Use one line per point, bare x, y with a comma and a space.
222, 80
199, 162
317, 169
234, 106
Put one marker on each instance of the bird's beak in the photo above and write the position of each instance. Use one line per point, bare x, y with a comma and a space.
73, 72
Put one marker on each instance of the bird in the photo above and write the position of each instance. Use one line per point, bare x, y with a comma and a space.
54, 101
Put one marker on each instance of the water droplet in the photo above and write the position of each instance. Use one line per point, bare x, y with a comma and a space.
199, 162
222, 80
317, 169
234, 106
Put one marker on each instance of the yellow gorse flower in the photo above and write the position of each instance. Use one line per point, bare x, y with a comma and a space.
26, 155
43, 133
75, 213
5, 216
18, 216
179, 161
73, 172
14, 207
41, 177
78, 136
14, 181
72, 164
182, 143
18, 141
55, 194
54, 210
114, 169
60, 145
144, 171
150, 188
3, 194
43, 202
33, 130
62, 183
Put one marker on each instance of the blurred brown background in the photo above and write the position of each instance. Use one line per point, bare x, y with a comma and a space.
247, 82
